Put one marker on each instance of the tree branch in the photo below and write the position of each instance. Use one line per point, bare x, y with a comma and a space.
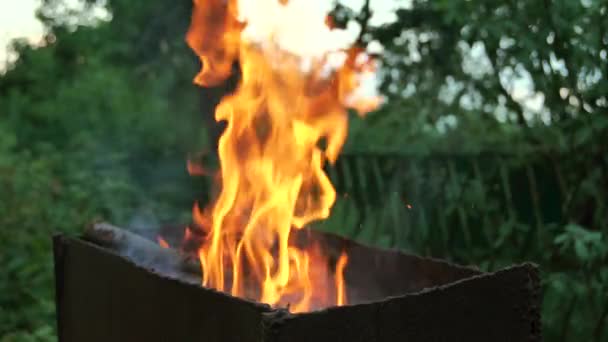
363, 20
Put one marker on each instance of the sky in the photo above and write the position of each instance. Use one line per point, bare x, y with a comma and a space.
18, 20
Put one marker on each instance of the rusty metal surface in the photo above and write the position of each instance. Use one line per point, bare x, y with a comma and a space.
103, 296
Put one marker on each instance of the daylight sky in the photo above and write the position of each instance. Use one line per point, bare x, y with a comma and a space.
18, 20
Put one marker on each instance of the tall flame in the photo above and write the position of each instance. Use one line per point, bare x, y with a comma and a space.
292, 98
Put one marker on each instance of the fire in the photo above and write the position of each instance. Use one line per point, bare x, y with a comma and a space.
287, 117
162, 242
340, 294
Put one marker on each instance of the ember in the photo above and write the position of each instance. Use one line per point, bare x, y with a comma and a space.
162, 242
294, 93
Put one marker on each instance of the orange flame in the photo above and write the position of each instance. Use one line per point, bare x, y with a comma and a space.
162, 242
272, 180
341, 294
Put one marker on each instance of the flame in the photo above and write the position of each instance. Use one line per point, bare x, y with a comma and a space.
341, 294
162, 242
293, 96
187, 234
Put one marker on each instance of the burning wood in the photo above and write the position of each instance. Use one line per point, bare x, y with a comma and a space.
294, 93
144, 251
258, 273
403, 298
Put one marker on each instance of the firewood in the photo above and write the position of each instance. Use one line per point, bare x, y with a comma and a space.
142, 251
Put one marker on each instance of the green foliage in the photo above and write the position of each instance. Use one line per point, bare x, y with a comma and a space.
43, 192
490, 211
97, 122
588, 246
523, 83
85, 135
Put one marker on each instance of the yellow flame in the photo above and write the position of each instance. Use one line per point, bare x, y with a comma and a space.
287, 103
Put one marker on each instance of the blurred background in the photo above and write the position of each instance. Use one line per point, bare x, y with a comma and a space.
490, 150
